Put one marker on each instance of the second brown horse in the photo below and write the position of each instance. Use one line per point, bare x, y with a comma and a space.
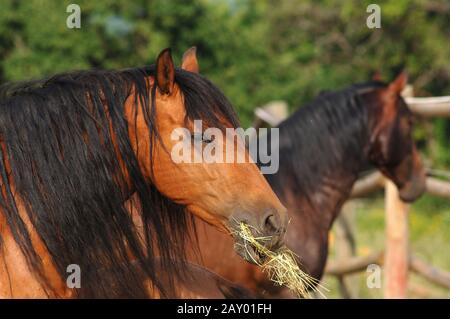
323, 148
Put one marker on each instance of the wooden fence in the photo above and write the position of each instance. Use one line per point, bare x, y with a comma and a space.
397, 259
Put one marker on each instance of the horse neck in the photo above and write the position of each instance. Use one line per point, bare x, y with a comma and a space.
332, 185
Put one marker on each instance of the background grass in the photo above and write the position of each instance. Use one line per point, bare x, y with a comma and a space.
429, 224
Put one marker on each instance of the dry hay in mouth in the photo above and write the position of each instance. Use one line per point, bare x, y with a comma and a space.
281, 266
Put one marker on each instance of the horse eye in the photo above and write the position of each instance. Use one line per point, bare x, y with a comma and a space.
201, 138
208, 140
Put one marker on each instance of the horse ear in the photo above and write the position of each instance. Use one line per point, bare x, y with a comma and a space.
189, 61
165, 72
397, 86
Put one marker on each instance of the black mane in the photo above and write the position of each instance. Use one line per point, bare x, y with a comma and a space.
328, 133
65, 169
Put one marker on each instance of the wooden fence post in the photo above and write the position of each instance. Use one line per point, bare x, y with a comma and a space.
397, 245
397, 238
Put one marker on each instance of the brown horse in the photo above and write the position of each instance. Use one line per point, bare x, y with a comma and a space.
76, 146
323, 148
198, 282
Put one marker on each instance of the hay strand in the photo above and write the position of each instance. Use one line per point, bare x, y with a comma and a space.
281, 266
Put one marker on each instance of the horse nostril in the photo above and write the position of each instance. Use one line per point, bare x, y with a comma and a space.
271, 224
274, 227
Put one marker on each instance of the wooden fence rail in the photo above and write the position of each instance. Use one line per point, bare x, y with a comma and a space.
360, 263
376, 181
430, 106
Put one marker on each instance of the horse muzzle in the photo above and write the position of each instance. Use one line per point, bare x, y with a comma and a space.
267, 230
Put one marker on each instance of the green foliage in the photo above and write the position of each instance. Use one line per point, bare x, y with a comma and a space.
256, 51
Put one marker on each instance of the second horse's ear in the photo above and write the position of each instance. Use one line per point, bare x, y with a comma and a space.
397, 86
165, 72
189, 61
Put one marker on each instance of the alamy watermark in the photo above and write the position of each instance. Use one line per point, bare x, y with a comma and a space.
373, 280
374, 19
74, 278
73, 21
213, 146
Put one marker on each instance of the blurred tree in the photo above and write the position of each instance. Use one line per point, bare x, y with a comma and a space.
256, 51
